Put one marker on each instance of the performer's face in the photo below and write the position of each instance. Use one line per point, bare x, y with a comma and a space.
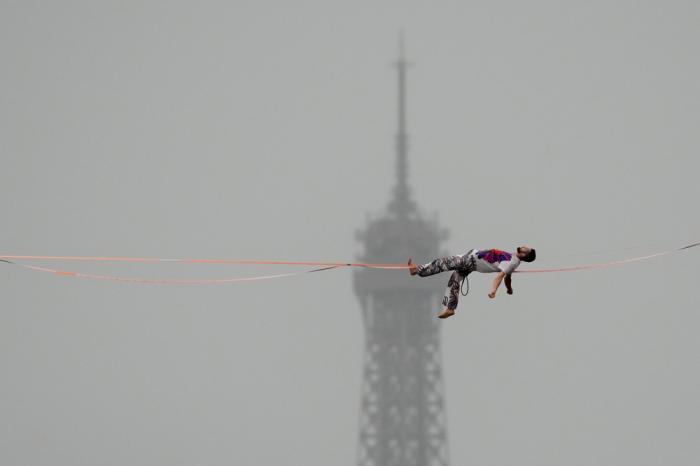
523, 251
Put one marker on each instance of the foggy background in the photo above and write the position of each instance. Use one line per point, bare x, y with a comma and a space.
265, 130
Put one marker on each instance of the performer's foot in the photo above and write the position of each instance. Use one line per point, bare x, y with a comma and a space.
412, 268
446, 313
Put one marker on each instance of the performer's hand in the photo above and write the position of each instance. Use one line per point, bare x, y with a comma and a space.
510, 291
492, 294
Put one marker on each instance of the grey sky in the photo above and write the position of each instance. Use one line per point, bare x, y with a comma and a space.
243, 129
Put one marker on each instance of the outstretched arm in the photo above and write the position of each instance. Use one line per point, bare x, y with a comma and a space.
496, 283
509, 288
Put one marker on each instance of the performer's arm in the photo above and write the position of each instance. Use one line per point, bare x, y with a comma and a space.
496, 283
509, 287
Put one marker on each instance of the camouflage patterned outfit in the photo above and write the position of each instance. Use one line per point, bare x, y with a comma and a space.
462, 265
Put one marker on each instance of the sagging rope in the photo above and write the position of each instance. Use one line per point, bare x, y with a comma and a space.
320, 267
603, 265
165, 281
201, 261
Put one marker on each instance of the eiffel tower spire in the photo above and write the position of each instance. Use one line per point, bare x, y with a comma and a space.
402, 204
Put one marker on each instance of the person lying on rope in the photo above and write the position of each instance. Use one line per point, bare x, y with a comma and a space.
476, 260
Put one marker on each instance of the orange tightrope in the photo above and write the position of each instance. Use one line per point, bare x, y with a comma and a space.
596, 266
323, 266
165, 281
202, 261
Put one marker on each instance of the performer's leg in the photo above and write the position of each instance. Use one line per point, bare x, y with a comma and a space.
443, 264
451, 298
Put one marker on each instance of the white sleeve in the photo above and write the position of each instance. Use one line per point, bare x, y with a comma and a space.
508, 267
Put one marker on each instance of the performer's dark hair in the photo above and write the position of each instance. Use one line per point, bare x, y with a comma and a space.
530, 256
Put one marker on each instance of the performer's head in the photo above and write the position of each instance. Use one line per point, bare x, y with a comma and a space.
526, 253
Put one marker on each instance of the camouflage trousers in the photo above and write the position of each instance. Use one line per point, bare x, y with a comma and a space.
462, 265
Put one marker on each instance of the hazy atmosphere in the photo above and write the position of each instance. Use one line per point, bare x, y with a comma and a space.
265, 130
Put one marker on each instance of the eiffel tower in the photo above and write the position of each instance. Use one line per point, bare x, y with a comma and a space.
402, 413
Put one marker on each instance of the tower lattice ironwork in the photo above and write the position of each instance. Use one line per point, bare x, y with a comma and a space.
402, 418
